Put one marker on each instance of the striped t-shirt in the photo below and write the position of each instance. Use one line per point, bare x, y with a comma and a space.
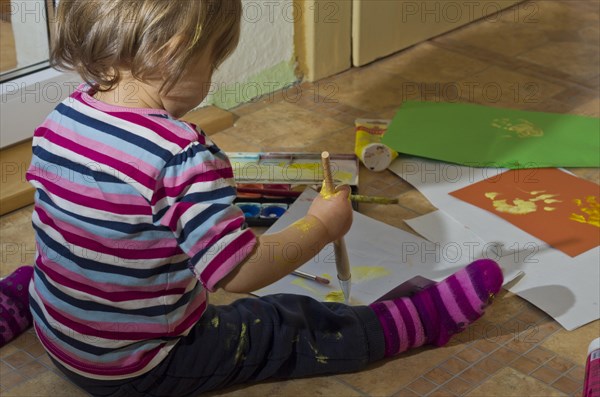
134, 223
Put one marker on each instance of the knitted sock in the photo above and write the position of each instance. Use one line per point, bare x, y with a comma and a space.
15, 316
433, 315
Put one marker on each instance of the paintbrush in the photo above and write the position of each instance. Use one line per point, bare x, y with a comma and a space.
308, 276
339, 246
359, 198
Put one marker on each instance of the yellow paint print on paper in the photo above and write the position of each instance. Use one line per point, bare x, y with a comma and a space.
552, 205
519, 128
520, 206
590, 209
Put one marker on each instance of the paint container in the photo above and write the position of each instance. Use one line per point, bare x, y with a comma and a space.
368, 147
591, 384
273, 210
251, 210
277, 186
258, 186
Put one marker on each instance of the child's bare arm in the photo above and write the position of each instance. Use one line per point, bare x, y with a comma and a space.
278, 254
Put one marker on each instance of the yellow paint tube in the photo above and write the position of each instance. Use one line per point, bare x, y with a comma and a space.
368, 147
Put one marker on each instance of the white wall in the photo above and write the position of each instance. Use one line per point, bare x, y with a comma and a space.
263, 60
266, 41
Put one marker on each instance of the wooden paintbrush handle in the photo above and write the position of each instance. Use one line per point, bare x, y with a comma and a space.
339, 246
328, 185
342, 263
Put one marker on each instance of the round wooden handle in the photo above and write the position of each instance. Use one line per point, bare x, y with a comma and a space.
327, 176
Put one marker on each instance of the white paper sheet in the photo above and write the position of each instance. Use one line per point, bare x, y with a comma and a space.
456, 239
381, 258
566, 288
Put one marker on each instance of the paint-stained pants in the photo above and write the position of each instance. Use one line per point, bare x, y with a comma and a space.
279, 336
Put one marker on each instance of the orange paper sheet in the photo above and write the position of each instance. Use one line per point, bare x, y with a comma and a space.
552, 205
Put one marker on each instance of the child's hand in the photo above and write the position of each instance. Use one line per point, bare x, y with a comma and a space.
334, 211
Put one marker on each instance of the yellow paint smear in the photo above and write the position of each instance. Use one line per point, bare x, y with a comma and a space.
335, 296
491, 195
519, 207
321, 359
342, 176
315, 167
550, 201
303, 225
591, 209
543, 197
520, 127
364, 273
302, 283
243, 342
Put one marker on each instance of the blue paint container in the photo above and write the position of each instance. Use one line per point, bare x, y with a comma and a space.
273, 211
251, 210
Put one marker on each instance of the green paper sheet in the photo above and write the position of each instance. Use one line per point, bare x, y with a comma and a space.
482, 136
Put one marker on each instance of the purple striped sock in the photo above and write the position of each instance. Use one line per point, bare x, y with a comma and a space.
433, 315
15, 316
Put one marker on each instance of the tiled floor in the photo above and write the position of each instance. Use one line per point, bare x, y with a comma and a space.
548, 61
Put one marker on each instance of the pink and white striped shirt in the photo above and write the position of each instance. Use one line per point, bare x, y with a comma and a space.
134, 223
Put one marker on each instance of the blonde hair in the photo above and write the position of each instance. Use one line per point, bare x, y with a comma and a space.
147, 38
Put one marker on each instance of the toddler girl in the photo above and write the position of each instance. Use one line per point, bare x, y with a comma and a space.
135, 227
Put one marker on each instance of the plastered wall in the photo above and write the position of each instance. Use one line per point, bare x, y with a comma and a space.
264, 60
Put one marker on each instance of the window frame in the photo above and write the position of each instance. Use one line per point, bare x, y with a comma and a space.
31, 93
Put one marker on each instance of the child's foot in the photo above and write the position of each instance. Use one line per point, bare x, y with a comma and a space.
15, 316
433, 315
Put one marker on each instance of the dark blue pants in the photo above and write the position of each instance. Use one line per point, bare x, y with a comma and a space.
279, 336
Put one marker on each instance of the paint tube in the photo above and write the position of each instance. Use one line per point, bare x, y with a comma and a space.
368, 147
591, 385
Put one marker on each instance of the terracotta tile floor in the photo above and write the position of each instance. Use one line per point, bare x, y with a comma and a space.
548, 62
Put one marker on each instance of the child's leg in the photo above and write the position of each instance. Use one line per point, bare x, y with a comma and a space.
15, 316
433, 315
278, 336
292, 336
